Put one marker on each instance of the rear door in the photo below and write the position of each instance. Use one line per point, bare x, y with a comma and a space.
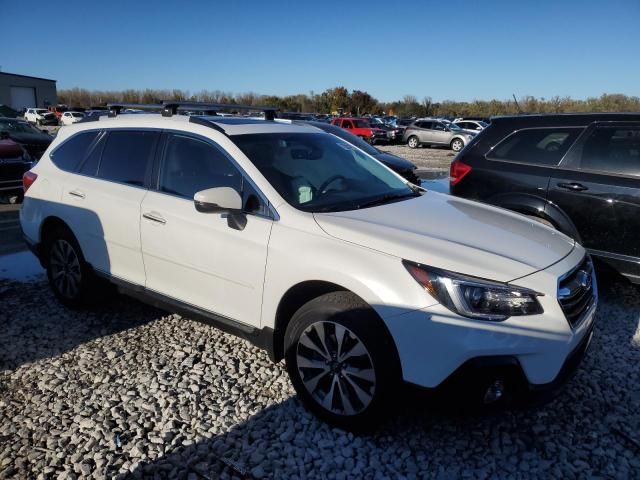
522, 163
598, 186
424, 131
103, 201
198, 258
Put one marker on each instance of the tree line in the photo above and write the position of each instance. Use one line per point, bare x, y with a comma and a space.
358, 102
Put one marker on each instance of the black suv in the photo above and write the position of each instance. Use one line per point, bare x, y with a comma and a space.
578, 173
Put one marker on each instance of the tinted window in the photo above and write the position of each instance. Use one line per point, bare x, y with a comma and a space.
439, 126
125, 156
191, 165
612, 149
538, 146
69, 155
346, 124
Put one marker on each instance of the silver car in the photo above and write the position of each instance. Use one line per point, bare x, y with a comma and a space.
435, 132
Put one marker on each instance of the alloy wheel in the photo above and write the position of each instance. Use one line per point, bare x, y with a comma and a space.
65, 268
457, 145
413, 142
336, 368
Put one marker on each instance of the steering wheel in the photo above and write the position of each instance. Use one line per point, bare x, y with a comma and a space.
325, 185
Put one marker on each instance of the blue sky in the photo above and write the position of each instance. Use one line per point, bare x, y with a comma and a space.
459, 50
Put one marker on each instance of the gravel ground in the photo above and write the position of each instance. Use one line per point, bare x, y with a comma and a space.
129, 391
425, 158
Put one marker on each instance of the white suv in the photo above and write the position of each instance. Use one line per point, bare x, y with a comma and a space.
39, 116
306, 246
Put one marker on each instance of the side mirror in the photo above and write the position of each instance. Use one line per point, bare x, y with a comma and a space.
218, 200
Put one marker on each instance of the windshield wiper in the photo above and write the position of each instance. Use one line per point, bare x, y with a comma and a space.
386, 199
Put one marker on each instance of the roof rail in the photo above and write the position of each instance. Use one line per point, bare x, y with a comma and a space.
169, 108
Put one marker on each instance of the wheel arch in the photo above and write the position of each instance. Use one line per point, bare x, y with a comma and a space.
533, 205
295, 297
49, 225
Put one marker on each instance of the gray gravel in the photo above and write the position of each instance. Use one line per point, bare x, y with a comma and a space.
425, 158
128, 391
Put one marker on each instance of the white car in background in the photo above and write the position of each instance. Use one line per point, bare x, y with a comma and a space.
69, 118
39, 116
314, 251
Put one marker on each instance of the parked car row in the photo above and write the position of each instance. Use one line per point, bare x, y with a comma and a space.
54, 115
297, 241
21, 145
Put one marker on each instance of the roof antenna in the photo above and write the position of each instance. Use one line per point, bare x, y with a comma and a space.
517, 104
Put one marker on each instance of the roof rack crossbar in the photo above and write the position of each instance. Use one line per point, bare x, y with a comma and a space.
169, 108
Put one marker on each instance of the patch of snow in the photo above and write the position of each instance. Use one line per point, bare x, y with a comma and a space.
21, 266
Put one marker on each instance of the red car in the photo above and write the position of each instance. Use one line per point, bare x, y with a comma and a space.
361, 128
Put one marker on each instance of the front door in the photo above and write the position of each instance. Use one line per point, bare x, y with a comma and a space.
440, 134
198, 258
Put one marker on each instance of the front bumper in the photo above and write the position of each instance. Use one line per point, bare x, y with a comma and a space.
435, 344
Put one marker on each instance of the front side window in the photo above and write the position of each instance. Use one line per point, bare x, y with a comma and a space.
612, 150
346, 124
191, 165
317, 172
439, 126
73, 151
126, 155
536, 146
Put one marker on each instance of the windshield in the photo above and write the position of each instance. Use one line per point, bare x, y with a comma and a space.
78, 115
41, 110
376, 121
361, 123
318, 172
12, 126
453, 126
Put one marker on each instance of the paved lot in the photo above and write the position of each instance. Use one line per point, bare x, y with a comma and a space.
128, 390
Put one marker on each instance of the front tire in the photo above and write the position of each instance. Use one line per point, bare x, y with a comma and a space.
70, 277
457, 145
413, 142
341, 360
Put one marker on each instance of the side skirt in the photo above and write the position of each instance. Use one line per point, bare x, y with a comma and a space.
260, 337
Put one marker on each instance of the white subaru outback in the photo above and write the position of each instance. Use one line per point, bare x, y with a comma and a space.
314, 251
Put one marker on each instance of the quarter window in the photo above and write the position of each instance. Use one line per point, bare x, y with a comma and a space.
69, 155
612, 150
126, 155
536, 146
191, 165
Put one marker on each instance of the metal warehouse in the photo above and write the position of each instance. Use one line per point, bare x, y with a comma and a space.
23, 91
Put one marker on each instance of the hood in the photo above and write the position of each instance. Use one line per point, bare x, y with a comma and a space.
453, 234
394, 161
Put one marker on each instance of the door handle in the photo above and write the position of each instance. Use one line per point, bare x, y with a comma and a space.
576, 187
154, 217
76, 193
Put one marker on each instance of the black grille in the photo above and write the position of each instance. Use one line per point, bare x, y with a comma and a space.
576, 292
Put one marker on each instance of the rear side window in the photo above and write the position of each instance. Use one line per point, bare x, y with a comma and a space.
73, 151
536, 146
126, 155
191, 165
612, 150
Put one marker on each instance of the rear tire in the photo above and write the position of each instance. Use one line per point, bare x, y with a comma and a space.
413, 142
342, 361
73, 282
457, 145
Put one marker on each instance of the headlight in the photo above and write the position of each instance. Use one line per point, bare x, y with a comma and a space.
474, 297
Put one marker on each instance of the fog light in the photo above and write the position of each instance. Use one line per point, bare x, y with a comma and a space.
495, 392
